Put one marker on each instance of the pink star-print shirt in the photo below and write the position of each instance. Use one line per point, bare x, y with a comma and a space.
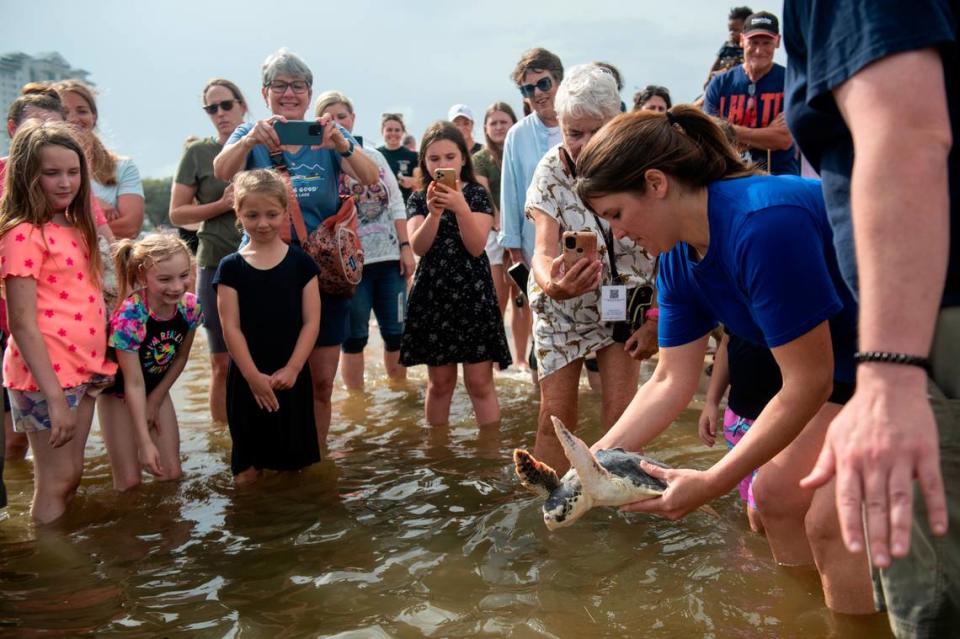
70, 311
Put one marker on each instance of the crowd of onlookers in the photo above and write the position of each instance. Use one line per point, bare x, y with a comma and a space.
610, 236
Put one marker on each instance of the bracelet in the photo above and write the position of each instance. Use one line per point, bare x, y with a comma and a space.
652, 314
402, 244
892, 358
349, 151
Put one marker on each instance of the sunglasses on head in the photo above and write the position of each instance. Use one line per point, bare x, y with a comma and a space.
226, 105
543, 85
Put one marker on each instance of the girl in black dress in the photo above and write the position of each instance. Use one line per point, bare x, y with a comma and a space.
452, 317
269, 304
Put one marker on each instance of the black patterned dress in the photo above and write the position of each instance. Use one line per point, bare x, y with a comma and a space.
452, 315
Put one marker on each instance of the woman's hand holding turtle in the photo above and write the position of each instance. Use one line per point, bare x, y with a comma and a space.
686, 491
583, 277
264, 133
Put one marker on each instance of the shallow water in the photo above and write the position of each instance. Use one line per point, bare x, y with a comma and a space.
404, 531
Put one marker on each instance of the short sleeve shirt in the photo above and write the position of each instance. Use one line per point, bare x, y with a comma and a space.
403, 162
732, 96
218, 236
314, 174
770, 274
128, 183
70, 310
827, 43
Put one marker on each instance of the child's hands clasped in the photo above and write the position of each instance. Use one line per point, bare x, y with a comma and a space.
261, 386
284, 378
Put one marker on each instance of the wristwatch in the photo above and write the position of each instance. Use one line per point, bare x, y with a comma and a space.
349, 151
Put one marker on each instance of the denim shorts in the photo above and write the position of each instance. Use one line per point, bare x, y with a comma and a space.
211, 317
31, 413
384, 291
921, 592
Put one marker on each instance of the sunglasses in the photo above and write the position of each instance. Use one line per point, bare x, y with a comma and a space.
226, 105
543, 85
297, 86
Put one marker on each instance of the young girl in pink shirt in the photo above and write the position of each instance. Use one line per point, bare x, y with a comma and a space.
55, 362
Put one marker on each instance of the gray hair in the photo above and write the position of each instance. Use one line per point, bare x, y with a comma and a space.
588, 91
283, 61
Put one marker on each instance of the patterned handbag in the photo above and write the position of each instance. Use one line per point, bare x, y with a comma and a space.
334, 245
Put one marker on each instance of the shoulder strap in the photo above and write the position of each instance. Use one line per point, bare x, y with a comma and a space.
293, 206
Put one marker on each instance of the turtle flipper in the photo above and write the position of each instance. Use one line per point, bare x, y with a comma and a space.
535, 475
592, 476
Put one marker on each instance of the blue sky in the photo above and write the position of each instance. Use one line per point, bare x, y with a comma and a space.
150, 60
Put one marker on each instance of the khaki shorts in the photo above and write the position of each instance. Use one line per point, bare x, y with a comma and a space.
921, 592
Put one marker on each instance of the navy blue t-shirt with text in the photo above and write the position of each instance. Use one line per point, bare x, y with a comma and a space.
770, 274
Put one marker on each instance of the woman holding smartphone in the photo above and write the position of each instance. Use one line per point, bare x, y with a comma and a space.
756, 253
568, 321
314, 173
198, 197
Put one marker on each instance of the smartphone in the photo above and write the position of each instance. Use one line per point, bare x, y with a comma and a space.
299, 132
578, 245
446, 177
519, 273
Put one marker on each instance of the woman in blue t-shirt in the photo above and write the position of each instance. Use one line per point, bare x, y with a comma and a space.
754, 252
287, 88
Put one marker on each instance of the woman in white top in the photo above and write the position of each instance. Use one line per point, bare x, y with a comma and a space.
566, 303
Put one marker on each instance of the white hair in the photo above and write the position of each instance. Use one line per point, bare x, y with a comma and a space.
588, 91
286, 62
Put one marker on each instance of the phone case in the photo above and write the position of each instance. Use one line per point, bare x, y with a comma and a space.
299, 132
447, 177
585, 246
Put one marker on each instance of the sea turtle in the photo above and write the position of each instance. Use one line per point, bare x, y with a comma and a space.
611, 477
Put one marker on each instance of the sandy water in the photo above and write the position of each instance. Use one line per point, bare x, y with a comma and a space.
403, 531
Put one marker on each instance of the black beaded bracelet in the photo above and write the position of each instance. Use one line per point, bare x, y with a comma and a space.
892, 358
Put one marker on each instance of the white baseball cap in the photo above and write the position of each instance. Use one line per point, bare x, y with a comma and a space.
460, 110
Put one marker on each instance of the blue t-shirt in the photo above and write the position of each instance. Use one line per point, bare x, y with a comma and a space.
315, 175
770, 274
729, 96
828, 42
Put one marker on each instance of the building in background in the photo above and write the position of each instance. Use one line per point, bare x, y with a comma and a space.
17, 69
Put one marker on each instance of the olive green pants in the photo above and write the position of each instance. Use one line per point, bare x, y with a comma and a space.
921, 592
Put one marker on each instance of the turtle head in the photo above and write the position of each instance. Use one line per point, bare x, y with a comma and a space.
564, 507
535, 476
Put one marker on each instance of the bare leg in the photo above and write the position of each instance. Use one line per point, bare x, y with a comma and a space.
16, 444
521, 327
323, 368
166, 437
58, 470
219, 363
441, 380
391, 363
246, 477
558, 398
352, 370
478, 378
501, 285
620, 376
116, 426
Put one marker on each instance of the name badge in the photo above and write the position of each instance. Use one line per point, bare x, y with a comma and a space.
613, 303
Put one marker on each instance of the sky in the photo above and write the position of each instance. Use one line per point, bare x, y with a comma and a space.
150, 60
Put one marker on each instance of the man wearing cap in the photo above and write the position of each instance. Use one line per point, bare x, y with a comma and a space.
462, 117
873, 93
750, 98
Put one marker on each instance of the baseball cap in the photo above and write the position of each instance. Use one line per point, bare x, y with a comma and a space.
761, 23
460, 110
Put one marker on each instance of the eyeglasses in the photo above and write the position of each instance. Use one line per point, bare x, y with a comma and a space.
226, 105
297, 86
543, 85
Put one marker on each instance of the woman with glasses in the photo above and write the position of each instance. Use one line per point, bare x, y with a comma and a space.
652, 98
537, 76
199, 197
402, 160
568, 321
315, 177
116, 180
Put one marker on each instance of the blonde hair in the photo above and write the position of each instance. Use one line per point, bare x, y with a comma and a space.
328, 98
103, 162
258, 181
24, 200
133, 258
